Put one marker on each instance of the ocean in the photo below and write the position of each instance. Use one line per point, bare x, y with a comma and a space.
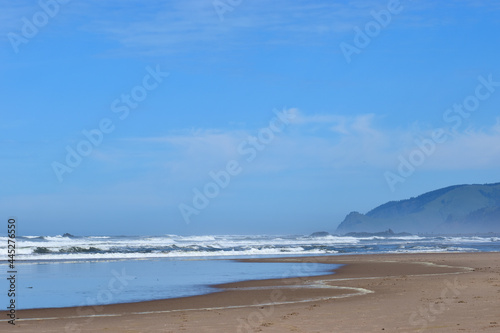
61, 271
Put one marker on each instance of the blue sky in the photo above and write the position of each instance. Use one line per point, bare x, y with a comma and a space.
175, 91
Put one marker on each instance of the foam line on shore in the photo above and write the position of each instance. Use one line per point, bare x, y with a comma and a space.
360, 291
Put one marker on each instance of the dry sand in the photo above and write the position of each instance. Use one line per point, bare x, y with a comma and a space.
372, 293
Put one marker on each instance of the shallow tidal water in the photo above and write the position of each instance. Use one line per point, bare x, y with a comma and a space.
64, 284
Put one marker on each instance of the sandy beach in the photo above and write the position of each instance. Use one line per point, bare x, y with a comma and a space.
457, 292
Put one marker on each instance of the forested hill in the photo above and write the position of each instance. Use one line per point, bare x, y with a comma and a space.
450, 210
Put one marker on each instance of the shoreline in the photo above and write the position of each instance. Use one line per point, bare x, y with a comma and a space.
382, 280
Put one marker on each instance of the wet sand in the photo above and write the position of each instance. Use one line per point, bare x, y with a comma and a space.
457, 292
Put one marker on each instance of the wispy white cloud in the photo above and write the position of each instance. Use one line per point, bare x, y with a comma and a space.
12, 13
168, 27
471, 149
334, 141
337, 142
158, 28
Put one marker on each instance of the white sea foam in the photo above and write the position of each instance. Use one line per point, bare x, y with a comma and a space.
110, 247
172, 254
